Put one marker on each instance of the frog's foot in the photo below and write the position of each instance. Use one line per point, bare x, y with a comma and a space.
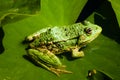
47, 60
59, 71
56, 71
76, 53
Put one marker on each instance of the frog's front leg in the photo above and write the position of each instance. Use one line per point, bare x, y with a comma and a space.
76, 53
47, 60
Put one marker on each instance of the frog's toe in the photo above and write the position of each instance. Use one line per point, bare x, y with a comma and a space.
76, 53
59, 71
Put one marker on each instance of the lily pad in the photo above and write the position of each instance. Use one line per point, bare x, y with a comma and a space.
102, 54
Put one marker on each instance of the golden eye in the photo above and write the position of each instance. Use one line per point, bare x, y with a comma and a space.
88, 30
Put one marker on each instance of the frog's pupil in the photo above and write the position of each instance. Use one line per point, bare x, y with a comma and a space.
88, 30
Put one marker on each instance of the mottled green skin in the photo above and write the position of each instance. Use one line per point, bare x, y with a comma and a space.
67, 36
56, 40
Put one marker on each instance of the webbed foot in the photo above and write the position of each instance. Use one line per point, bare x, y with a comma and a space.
59, 71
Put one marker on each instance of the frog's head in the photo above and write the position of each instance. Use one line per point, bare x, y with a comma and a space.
90, 32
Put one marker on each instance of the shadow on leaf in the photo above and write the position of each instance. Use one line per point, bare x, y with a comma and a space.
67, 55
30, 60
1, 38
88, 9
106, 18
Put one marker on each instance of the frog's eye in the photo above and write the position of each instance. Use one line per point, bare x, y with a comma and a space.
88, 30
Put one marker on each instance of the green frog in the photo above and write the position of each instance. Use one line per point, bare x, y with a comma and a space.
45, 44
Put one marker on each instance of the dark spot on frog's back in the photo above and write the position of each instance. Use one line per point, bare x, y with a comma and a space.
65, 29
49, 29
66, 34
51, 39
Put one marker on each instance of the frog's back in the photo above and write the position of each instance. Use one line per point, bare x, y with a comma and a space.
64, 33
85, 32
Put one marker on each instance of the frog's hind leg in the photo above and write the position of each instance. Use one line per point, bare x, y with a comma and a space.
76, 53
56, 71
45, 59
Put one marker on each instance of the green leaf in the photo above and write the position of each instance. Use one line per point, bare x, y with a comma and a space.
13, 64
116, 7
102, 54
12, 10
